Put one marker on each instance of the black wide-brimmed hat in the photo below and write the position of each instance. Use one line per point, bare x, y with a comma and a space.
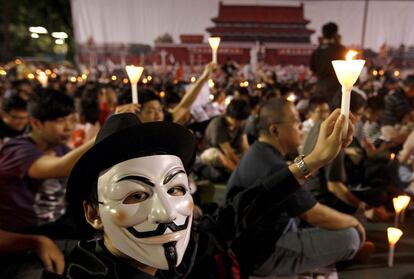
124, 137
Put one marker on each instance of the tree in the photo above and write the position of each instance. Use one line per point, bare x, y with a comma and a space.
164, 38
18, 16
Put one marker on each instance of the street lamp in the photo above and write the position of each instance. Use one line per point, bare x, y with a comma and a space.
38, 29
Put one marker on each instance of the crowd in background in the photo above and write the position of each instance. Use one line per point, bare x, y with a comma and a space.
246, 121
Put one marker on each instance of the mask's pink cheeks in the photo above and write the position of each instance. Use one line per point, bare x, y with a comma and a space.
185, 206
118, 216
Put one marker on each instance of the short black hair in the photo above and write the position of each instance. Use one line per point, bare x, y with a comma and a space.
314, 102
50, 105
375, 103
243, 91
89, 110
172, 98
329, 30
147, 95
409, 80
238, 109
271, 112
14, 102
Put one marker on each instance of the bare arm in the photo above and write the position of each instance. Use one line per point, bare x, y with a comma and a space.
325, 217
328, 145
244, 143
184, 106
47, 251
48, 166
229, 152
343, 193
408, 150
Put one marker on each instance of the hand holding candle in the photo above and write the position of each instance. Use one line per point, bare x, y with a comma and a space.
347, 72
42, 78
394, 235
134, 73
214, 44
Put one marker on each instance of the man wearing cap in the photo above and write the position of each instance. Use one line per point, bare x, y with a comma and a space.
132, 185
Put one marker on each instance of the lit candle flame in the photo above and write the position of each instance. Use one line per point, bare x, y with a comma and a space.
291, 98
350, 55
134, 73
42, 78
398, 205
214, 42
404, 200
394, 235
392, 156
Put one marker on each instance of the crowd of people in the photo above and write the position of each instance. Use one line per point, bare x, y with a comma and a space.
296, 202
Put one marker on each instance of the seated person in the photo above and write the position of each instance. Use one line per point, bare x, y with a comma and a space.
371, 127
225, 137
33, 168
279, 135
14, 117
405, 165
344, 184
46, 250
397, 112
88, 126
138, 195
318, 110
152, 107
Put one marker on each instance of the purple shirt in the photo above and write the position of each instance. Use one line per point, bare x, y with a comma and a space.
26, 202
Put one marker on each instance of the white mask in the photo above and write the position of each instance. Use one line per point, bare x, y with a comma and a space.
145, 203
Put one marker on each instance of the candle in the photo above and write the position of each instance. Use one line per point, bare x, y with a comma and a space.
394, 235
404, 200
134, 73
214, 44
400, 203
42, 78
347, 71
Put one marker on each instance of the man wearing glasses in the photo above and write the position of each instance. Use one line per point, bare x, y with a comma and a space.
14, 118
332, 237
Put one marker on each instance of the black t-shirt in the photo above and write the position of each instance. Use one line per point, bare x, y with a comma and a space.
218, 132
261, 160
321, 65
7, 132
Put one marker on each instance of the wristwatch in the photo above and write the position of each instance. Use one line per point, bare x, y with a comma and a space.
302, 166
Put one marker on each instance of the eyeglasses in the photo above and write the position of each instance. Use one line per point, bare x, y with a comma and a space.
17, 117
294, 121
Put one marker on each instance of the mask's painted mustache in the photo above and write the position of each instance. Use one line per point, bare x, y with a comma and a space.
160, 229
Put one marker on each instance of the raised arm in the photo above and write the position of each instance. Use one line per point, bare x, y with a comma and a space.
271, 191
49, 165
184, 106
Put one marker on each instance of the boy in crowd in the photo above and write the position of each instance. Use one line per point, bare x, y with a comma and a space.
14, 117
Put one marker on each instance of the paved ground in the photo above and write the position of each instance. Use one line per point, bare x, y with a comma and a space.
377, 267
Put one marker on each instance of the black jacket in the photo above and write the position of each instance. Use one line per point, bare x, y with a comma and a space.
245, 226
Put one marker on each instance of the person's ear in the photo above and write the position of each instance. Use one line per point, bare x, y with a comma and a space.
92, 215
273, 131
35, 123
